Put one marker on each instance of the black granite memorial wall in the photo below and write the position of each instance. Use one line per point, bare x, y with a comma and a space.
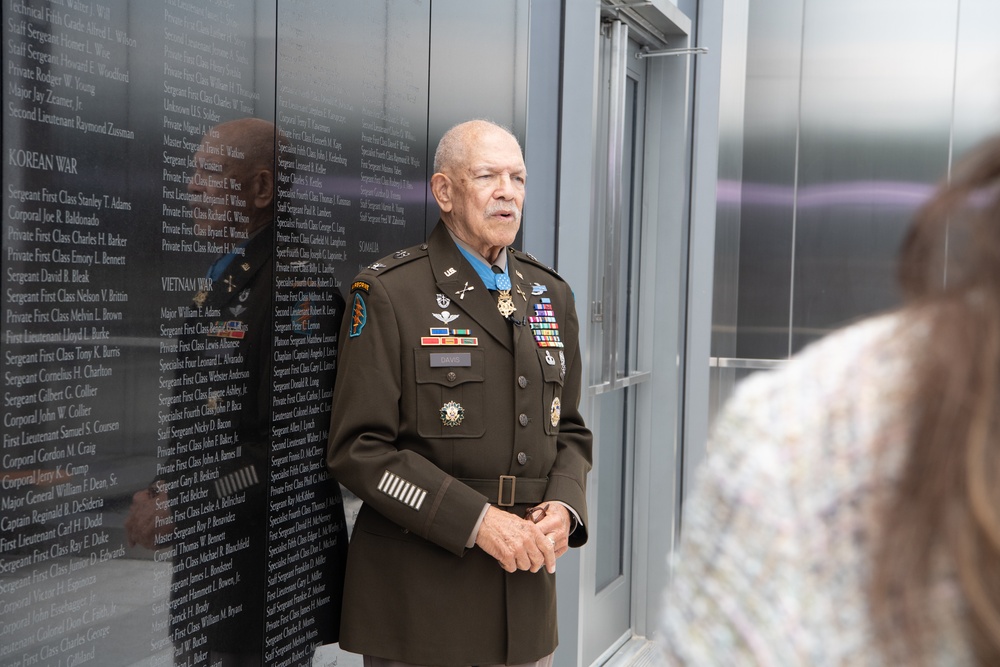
188, 187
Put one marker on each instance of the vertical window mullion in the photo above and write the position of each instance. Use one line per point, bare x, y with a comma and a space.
614, 200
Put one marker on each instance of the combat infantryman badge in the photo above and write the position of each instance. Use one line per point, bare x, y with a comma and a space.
452, 413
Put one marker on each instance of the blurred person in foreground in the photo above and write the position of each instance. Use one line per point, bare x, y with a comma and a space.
849, 510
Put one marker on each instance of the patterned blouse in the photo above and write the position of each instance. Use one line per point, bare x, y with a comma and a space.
777, 536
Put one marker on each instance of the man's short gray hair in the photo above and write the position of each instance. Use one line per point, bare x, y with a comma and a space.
451, 149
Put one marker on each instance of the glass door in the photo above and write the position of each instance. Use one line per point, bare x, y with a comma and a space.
616, 244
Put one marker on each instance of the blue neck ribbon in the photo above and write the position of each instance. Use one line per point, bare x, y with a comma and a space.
491, 279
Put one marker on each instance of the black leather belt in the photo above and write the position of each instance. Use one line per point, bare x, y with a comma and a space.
509, 490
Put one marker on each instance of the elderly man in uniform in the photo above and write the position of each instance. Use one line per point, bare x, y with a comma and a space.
456, 421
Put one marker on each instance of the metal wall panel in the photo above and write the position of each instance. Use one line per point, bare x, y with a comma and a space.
854, 111
977, 62
774, 46
727, 57
541, 146
728, 195
478, 69
875, 121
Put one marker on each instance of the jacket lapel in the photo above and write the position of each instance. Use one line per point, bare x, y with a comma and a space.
521, 293
528, 298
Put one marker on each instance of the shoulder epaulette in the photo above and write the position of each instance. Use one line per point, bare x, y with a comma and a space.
388, 263
531, 259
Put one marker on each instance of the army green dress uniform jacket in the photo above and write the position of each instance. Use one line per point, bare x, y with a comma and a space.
427, 428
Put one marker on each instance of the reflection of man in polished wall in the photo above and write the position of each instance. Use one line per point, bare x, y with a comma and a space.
211, 516
456, 421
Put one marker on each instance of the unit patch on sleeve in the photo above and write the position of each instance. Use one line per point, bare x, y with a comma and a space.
359, 316
396, 487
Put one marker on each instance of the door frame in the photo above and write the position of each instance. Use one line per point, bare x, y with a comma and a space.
663, 330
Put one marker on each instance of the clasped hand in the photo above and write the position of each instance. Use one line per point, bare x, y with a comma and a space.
520, 544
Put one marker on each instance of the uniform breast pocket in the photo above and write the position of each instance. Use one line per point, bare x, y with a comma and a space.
450, 393
553, 363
